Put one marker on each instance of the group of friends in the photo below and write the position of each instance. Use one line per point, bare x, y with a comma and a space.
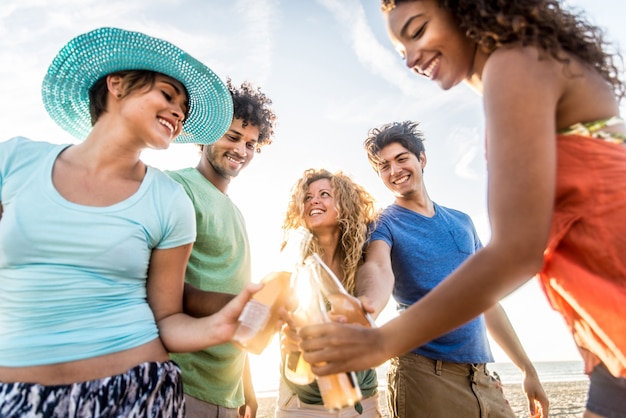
121, 285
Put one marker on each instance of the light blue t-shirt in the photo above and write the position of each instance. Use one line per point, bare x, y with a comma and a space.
424, 251
73, 277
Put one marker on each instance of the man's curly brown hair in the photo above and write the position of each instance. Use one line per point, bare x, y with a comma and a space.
545, 24
252, 106
356, 211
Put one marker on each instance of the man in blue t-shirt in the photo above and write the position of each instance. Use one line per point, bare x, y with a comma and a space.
414, 245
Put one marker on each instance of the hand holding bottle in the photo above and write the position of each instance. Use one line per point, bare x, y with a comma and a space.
348, 309
343, 306
259, 320
337, 390
289, 338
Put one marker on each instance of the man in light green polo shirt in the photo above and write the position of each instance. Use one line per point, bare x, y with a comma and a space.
217, 381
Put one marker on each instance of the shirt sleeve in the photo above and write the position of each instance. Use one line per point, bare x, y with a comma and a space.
382, 231
180, 225
7, 150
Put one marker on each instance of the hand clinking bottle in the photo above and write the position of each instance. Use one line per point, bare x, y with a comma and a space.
257, 322
326, 295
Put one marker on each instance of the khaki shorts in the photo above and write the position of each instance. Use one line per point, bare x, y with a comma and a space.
420, 387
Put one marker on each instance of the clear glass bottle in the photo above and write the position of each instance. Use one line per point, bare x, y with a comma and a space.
257, 322
340, 301
341, 389
307, 312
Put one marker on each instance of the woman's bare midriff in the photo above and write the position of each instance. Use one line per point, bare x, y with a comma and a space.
88, 369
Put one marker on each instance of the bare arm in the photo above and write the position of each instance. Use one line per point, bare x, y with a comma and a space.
199, 303
521, 95
249, 409
178, 331
374, 279
502, 331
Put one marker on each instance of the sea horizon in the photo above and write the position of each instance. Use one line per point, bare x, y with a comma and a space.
548, 371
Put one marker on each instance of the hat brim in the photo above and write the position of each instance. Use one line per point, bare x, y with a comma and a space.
91, 56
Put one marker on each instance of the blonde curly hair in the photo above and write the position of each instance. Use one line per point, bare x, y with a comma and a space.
356, 211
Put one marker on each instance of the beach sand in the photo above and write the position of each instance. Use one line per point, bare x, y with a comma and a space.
567, 400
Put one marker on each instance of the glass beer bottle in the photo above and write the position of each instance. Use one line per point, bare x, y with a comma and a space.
341, 389
307, 312
257, 322
341, 302
258, 318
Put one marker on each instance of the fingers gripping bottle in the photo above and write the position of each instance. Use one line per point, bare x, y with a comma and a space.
296, 369
341, 302
341, 389
257, 322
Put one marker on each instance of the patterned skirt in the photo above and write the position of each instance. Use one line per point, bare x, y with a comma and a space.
148, 390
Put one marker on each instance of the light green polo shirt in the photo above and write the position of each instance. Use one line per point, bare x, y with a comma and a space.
220, 261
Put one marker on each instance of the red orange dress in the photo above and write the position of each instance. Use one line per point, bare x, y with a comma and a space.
584, 271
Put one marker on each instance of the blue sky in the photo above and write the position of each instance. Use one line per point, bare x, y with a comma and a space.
332, 75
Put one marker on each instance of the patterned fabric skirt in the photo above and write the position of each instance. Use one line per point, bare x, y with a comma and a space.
148, 390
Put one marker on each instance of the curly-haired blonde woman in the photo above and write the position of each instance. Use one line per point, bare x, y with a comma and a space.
338, 212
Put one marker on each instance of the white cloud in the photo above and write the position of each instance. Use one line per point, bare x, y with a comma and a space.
375, 57
466, 148
258, 20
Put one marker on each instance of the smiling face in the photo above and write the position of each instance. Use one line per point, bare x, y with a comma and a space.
401, 170
153, 114
430, 40
319, 206
233, 151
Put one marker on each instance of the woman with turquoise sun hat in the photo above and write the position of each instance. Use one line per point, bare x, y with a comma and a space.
94, 243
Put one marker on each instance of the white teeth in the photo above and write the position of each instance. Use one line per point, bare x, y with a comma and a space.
233, 160
166, 124
315, 212
401, 180
428, 70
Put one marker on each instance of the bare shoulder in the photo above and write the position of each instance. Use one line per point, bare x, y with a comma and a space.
524, 67
516, 53
521, 82
576, 91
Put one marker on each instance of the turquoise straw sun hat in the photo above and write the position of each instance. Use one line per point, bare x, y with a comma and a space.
90, 56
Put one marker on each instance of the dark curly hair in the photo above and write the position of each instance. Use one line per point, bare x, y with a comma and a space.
542, 23
253, 107
404, 133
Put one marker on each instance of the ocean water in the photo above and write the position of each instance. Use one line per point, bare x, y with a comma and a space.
548, 371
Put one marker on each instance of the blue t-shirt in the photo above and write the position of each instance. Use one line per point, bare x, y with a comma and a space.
424, 251
73, 277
